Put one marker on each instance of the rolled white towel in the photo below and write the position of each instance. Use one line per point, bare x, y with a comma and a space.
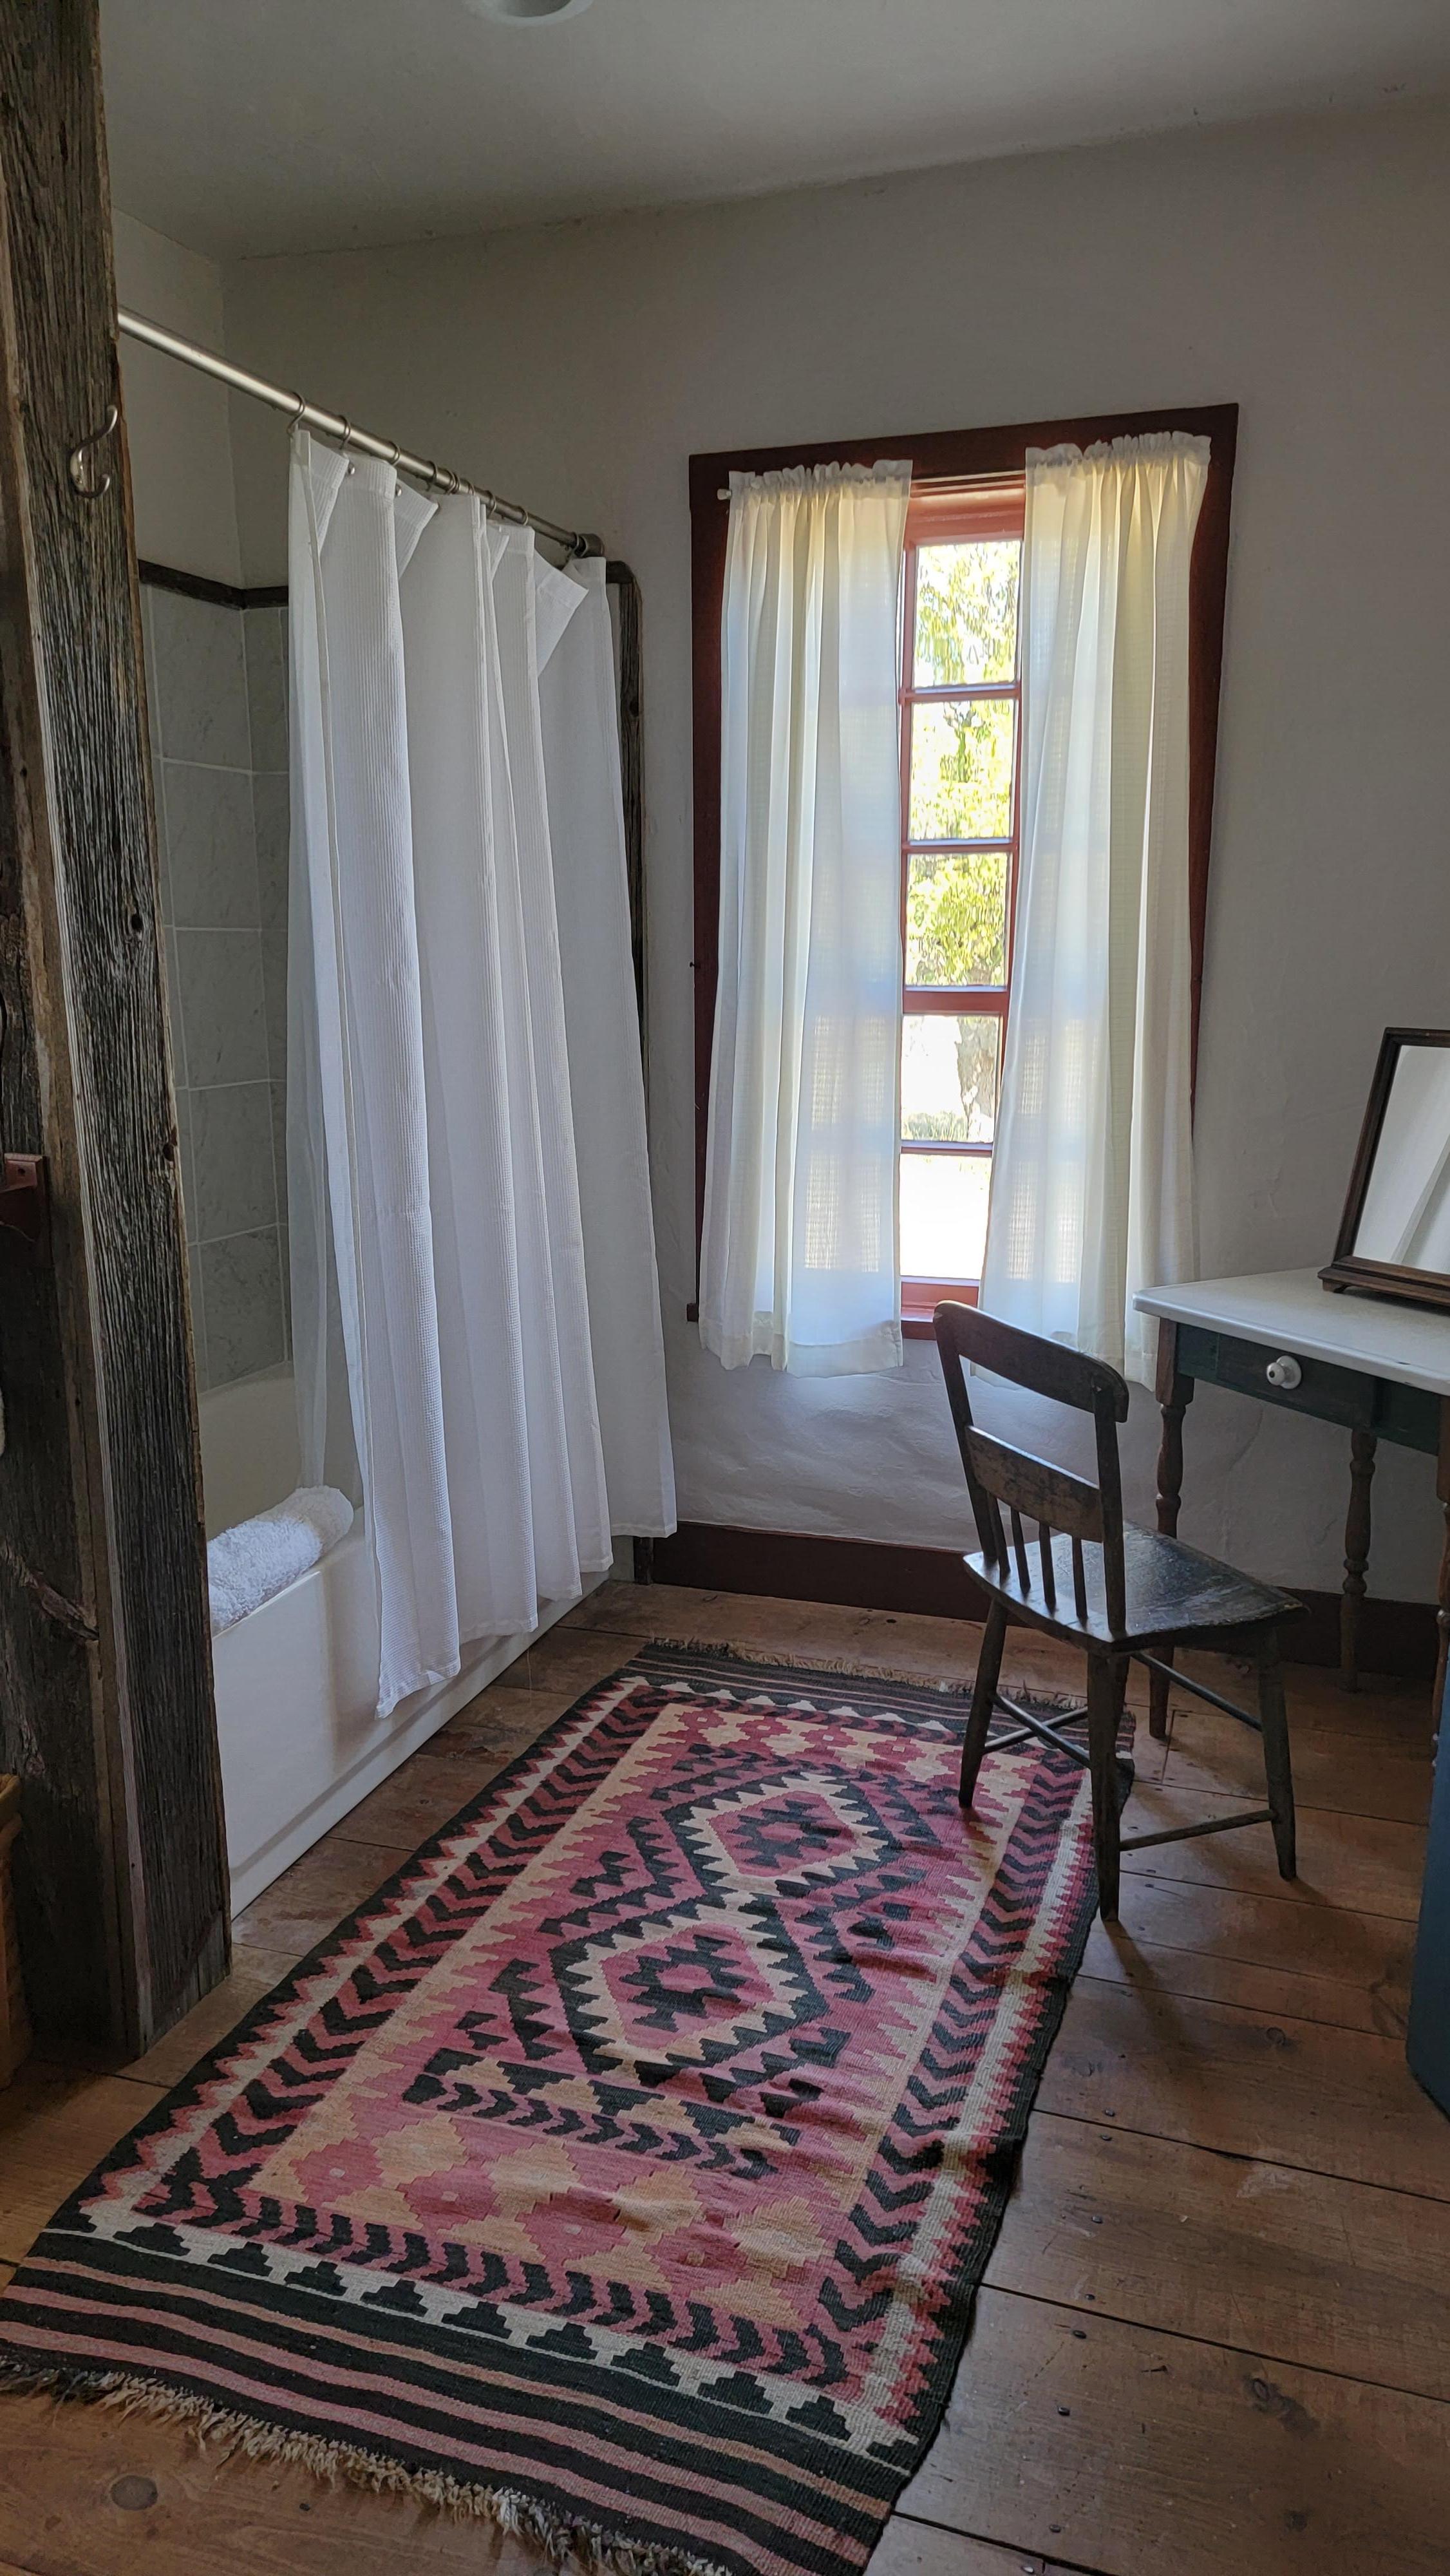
245, 1566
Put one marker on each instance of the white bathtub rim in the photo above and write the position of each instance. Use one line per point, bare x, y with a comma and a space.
408, 1728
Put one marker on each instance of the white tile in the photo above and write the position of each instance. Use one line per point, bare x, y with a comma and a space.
184, 1156
219, 974
198, 1317
279, 1147
231, 1128
242, 1294
172, 968
148, 664
274, 988
210, 850
201, 683
271, 811
267, 686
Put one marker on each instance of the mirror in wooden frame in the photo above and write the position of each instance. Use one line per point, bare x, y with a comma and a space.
1394, 1237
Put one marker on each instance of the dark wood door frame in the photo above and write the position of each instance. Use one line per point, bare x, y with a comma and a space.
105, 1670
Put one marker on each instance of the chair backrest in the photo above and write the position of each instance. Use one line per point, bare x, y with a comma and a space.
997, 1473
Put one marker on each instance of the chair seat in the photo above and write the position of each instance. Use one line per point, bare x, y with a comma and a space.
1171, 1592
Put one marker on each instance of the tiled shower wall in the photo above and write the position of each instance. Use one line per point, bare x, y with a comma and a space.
216, 679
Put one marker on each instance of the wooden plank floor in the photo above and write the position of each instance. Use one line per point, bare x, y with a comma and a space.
1212, 2332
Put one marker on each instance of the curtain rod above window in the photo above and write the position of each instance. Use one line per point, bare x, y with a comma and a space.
929, 483
335, 425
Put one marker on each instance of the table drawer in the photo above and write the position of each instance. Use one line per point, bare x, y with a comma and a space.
1330, 1394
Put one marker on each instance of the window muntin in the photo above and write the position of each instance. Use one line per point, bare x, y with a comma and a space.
961, 723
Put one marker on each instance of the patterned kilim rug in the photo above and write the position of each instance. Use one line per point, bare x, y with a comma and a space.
623, 2171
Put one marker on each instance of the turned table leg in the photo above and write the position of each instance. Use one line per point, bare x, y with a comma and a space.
1173, 1393
1356, 1553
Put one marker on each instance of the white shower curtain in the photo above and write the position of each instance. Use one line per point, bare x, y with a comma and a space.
1092, 1195
586, 828
437, 1245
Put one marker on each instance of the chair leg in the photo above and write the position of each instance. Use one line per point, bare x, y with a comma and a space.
1158, 1700
1106, 1677
984, 1700
1278, 1770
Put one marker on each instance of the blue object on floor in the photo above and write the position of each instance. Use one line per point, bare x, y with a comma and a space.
1427, 2043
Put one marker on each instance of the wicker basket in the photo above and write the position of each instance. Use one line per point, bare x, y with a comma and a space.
14, 2020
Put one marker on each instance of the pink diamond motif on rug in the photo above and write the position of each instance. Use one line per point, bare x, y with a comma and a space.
627, 2164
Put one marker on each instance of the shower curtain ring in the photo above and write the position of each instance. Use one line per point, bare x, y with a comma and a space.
76, 466
300, 401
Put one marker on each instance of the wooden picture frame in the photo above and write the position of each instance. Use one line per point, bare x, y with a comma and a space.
1351, 1269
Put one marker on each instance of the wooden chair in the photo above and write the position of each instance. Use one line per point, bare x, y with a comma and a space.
1123, 1594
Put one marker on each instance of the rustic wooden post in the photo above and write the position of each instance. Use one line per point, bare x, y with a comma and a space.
105, 1677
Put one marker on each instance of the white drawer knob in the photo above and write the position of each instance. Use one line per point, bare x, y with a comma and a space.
1284, 1371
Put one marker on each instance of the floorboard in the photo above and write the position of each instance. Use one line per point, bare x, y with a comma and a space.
1364, 1862
1339, 2102
1145, 2454
1266, 2258
921, 2549
1333, 1767
1210, 2338
55, 2125
301, 1907
89, 2492
1214, 1945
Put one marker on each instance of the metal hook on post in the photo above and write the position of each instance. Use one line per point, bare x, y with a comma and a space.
76, 466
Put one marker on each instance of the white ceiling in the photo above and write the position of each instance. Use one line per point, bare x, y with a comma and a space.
245, 126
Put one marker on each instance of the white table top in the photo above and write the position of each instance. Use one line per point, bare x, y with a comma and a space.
1298, 1314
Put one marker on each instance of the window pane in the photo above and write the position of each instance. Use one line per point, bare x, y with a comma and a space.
944, 1215
961, 769
949, 1067
966, 613
956, 918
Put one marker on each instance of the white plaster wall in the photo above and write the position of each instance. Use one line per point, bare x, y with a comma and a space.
178, 423
1297, 269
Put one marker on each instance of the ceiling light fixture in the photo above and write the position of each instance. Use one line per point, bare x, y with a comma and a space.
527, 13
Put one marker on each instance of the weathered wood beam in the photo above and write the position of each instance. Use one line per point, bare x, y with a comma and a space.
105, 1676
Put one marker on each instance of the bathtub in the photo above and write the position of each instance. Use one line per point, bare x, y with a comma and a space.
296, 1681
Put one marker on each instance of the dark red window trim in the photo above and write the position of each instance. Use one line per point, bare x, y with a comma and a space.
947, 456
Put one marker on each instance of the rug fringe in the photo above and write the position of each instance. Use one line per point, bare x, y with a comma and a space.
1051, 1702
562, 2537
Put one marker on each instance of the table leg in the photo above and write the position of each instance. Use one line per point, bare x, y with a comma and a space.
1356, 1553
1174, 1393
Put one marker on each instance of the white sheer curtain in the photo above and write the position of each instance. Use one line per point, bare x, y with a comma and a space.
799, 1259
437, 1243
1092, 1195
586, 829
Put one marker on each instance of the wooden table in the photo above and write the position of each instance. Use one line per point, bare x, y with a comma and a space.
1380, 1369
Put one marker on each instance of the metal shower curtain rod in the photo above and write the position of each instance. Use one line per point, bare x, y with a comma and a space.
335, 425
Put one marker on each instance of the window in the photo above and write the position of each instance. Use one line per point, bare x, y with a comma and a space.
961, 729
955, 471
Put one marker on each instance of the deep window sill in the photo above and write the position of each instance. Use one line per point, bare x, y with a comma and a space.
916, 1312
920, 1299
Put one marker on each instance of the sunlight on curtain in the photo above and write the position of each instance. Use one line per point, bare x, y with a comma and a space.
579, 708
437, 1243
799, 1259
1092, 1196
